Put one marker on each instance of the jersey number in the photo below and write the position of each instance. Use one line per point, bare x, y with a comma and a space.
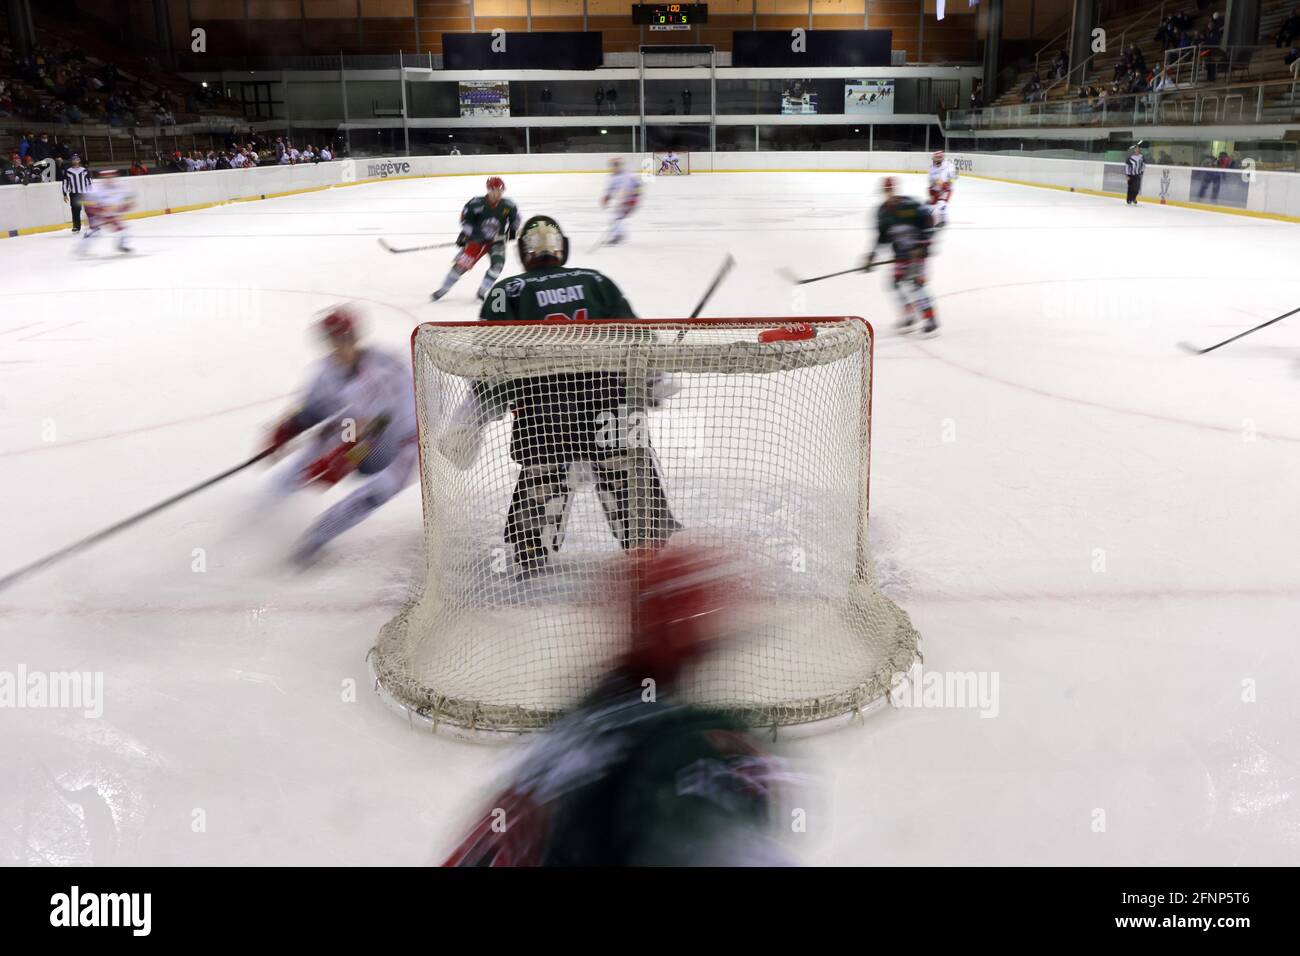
579, 316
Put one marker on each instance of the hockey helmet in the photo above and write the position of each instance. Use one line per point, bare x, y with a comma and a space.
495, 182
887, 186
341, 323
679, 597
540, 240
938, 157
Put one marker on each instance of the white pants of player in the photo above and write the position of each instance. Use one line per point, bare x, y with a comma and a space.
103, 225
939, 212
401, 454
617, 228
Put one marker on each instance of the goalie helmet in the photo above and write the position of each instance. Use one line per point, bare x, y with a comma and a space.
542, 243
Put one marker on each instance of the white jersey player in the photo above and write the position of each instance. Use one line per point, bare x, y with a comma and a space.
622, 195
942, 175
367, 399
108, 203
670, 165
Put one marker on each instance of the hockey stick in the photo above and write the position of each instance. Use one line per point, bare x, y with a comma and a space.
786, 273
726, 267
436, 245
1195, 351
84, 543
713, 286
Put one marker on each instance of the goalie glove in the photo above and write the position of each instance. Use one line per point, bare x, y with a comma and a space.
660, 386
459, 444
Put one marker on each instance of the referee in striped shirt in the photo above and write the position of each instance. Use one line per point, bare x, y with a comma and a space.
1134, 167
76, 183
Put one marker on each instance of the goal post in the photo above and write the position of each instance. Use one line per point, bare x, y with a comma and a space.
547, 448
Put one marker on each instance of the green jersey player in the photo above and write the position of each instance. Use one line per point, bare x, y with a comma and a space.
565, 418
906, 225
486, 223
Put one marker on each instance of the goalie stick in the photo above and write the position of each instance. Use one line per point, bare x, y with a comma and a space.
1195, 351
788, 274
436, 245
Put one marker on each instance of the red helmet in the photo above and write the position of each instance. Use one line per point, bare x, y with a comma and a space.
678, 595
887, 185
340, 322
496, 182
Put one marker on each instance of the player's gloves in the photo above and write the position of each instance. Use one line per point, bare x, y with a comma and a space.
286, 431
462, 239
335, 465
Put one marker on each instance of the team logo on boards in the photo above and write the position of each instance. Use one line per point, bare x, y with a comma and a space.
384, 170
964, 165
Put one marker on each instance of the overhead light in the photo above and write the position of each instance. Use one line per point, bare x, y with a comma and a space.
204, 84
603, 132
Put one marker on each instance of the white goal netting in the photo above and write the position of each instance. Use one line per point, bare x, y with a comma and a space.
547, 447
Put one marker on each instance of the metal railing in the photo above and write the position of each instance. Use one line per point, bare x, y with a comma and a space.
1255, 102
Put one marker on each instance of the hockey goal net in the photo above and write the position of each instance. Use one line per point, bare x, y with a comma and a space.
750, 434
670, 164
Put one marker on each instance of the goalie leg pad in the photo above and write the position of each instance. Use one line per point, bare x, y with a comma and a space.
613, 486
539, 511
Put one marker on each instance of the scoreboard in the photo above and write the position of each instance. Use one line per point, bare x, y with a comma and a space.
670, 16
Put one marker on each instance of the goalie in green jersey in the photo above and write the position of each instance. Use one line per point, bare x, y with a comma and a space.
486, 223
566, 418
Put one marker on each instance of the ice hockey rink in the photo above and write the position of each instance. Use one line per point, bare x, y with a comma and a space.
1062, 500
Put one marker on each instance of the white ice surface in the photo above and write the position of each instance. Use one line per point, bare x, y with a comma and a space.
1060, 497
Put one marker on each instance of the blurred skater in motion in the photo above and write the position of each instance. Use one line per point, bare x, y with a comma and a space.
107, 204
907, 226
631, 777
367, 399
622, 195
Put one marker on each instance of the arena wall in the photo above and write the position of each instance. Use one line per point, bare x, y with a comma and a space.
40, 207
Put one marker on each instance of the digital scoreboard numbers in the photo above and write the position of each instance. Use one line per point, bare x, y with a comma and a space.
670, 16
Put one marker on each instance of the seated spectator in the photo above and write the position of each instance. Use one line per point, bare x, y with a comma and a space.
1290, 29
326, 154
223, 161
239, 159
